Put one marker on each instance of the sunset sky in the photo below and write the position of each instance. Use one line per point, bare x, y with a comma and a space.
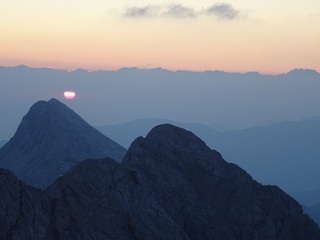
237, 36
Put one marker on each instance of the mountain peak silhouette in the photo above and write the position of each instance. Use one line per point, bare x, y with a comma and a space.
50, 140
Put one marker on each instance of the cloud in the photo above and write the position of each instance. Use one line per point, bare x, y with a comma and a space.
180, 11
138, 12
174, 10
223, 11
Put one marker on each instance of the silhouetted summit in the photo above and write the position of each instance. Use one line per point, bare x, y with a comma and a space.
208, 198
50, 140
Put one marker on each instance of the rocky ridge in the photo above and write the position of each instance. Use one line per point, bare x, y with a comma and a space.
170, 185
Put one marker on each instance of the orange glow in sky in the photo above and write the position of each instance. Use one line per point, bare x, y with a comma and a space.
237, 36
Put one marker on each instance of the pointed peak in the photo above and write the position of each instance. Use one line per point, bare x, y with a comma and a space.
53, 101
58, 105
50, 139
51, 105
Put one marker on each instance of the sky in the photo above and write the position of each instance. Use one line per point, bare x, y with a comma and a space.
237, 36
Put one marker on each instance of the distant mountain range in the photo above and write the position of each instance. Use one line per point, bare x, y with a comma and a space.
307, 198
212, 97
310, 201
313, 212
126, 133
50, 140
170, 185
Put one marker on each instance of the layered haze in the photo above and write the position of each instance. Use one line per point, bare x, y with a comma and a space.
212, 97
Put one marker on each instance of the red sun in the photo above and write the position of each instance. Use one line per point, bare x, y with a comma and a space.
69, 94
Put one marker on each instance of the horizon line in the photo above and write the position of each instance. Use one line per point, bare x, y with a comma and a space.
156, 68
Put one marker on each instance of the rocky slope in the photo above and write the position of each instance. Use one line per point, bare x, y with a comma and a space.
24, 210
202, 189
170, 185
51, 139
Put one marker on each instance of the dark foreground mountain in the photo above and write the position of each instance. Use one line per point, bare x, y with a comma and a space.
284, 154
51, 139
170, 185
272, 154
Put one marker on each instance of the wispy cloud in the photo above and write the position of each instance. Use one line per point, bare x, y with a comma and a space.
138, 12
223, 11
180, 11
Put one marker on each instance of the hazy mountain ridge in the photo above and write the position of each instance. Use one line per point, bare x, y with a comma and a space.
126, 133
52, 138
313, 212
268, 152
307, 198
310, 200
203, 97
169, 186
20, 72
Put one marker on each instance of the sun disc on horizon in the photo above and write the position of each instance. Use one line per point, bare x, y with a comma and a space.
69, 94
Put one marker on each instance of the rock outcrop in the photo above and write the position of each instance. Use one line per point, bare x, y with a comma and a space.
51, 139
24, 210
170, 185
